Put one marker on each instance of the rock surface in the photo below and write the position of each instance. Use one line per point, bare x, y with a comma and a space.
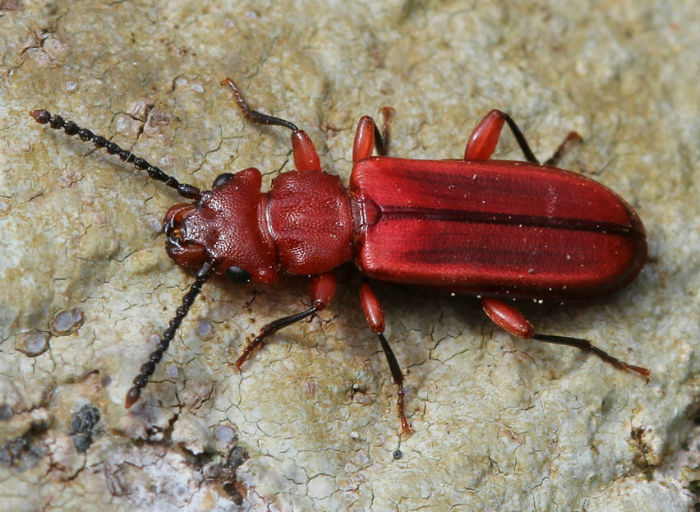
310, 424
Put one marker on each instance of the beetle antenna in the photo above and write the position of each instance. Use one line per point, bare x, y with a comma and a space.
253, 115
57, 122
149, 366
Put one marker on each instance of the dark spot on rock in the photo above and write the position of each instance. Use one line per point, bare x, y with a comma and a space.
82, 427
33, 343
67, 322
236, 457
23, 453
6, 412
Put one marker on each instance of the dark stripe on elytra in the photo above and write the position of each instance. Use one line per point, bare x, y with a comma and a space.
610, 228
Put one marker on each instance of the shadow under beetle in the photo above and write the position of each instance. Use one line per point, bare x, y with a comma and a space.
491, 228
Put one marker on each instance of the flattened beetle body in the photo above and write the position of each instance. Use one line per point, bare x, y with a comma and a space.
494, 229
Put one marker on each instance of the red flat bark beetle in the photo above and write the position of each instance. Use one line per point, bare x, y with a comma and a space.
494, 229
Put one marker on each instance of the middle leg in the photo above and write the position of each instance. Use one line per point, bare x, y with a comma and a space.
375, 318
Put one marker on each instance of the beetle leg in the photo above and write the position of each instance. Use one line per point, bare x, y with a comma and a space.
305, 154
483, 140
365, 139
149, 366
510, 319
368, 137
272, 328
383, 138
587, 346
375, 318
507, 317
322, 291
569, 141
253, 115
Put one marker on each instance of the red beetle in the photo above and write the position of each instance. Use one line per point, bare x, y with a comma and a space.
490, 228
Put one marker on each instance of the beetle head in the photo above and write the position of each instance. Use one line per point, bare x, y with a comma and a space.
226, 227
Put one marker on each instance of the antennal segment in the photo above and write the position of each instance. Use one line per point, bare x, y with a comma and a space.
149, 366
57, 122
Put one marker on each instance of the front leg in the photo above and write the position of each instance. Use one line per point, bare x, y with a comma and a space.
322, 291
305, 154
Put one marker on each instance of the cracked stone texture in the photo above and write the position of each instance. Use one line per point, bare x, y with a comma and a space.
501, 424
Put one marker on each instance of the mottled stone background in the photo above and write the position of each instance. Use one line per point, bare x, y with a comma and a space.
501, 424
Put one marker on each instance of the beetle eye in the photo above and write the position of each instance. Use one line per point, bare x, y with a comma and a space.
237, 275
221, 179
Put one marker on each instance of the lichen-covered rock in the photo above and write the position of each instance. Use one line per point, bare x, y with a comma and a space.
86, 288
